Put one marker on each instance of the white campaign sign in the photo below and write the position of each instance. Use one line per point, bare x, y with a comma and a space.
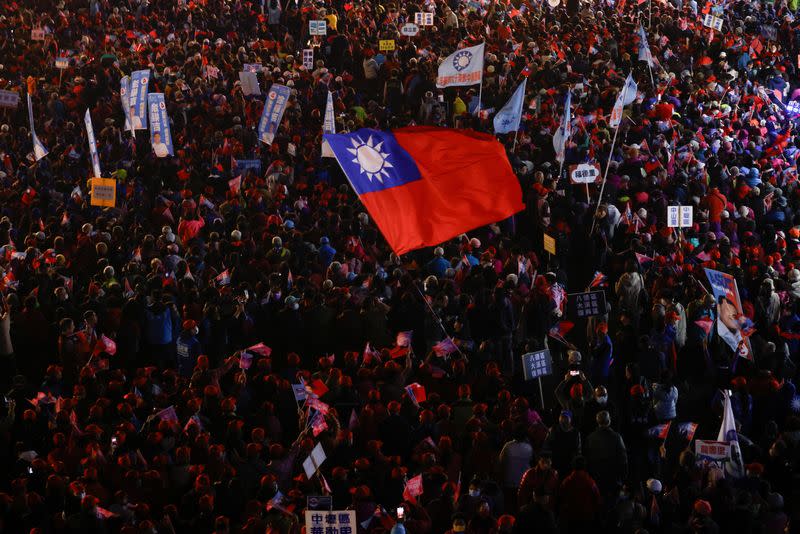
409, 29
710, 21
318, 27
323, 521
423, 19
585, 173
680, 216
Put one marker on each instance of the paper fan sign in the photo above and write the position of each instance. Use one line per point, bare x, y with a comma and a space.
554, 3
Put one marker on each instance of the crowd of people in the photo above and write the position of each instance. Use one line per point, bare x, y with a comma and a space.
171, 362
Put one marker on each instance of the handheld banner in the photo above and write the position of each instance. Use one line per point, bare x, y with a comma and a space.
137, 99
277, 99
87, 119
160, 136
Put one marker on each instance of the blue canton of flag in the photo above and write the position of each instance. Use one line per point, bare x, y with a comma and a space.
373, 160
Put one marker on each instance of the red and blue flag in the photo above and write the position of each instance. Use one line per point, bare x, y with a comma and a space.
425, 185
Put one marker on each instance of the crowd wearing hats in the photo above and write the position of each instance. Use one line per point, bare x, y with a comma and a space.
170, 363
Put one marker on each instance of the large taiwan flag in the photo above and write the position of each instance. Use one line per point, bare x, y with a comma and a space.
425, 185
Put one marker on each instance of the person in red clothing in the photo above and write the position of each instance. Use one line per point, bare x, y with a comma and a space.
579, 499
541, 479
715, 202
189, 228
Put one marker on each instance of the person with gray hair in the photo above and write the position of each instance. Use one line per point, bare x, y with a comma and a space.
606, 457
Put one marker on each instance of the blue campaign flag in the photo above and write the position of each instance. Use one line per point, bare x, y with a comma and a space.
160, 136
39, 150
277, 98
137, 99
509, 117
124, 93
644, 47
87, 119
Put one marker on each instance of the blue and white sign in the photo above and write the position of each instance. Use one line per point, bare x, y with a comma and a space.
62, 63
160, 136
9, 99
277, 99
241, 166
793, 108
537, 364
423, 19
308, 58
87, 119
318, 27
39, 150
137, 99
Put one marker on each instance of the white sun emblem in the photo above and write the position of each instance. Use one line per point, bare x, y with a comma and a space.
462, 60
369, 157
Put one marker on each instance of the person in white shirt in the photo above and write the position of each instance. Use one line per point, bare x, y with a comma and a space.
159, 147
136, 121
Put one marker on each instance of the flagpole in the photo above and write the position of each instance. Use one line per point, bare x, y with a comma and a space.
514, 148
610, 155
480, 86
605, 175
439, 320
480, 96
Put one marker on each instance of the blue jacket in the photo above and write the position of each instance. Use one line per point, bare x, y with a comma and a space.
326, 254
437, 266
188, 349
160, 325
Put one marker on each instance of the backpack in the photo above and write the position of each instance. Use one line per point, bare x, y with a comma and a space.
158, 326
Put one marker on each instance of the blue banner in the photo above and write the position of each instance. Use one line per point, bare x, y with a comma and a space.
277, 98
87, 119
124, 92
241, 166
160, 136
137, 99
